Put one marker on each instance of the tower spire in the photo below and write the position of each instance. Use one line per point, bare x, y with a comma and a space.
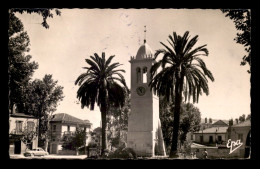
145, 34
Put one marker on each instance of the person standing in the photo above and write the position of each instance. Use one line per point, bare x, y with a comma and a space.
205, 154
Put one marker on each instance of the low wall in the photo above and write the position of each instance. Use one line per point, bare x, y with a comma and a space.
67, 152
213, 153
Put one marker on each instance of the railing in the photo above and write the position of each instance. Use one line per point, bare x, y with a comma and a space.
17, 132
69, 133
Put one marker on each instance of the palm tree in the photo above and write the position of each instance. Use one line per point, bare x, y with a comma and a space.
182, 72
100, 84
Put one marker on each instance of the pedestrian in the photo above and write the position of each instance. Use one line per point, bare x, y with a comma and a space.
205, 154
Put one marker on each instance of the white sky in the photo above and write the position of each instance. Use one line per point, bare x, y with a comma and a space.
79, 33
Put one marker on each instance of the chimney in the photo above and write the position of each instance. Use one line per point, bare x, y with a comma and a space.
206, 120
210, 120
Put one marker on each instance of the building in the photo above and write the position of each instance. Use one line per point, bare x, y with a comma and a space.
242, 132
211, 136
224, 141
144, 127
63, 125
22, 126
210, 129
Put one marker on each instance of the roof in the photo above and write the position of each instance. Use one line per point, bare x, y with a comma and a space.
66, 118
220, 123
213, 121
22, 115
214, 130
246, 123
144, 51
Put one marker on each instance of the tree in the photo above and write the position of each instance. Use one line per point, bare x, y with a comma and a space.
242, 20
41, 100
189, 120
75, 141
20, 69
44, 12
242, 118
101, 85
248, 117
117, 121
183, 72
28, 135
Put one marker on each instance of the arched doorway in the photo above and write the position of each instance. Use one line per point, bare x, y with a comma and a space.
248, 145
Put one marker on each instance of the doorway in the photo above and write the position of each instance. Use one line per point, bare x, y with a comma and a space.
210, 139
54, 149
17, 147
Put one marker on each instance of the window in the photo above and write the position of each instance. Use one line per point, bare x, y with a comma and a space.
240, 137
145, 75
19, 125
68, 129
54, 128
138, 75
30, 125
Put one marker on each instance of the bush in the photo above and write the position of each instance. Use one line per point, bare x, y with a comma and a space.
123, 153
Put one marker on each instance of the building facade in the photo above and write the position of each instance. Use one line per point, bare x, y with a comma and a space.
241, 132
22, 127
213, 135
63, 126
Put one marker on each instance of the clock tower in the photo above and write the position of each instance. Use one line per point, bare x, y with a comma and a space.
144, 127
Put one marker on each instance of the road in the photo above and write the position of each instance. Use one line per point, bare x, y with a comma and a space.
51, 156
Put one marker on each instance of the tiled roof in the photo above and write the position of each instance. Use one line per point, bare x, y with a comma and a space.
213, 121
220, 122
243, 124
66, 118
214, 130
22, 115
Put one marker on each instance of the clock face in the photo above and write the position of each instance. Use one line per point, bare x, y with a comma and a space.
140, 91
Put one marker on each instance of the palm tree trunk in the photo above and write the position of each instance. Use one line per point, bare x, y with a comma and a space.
104, 138
177, 110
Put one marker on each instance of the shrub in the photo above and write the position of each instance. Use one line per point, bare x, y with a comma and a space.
123, 153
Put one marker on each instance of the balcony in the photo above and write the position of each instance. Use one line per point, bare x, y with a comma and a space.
16, 132
68, 133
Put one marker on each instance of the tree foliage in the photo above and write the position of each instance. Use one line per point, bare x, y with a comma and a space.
242, 118
101, 84
44, 12
20, 69
189, 120
248, 117
183, 72
75, 141
117, 122
41, 100
29, 134
242, 20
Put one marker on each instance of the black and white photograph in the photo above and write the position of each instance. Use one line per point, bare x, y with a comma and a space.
132, 84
